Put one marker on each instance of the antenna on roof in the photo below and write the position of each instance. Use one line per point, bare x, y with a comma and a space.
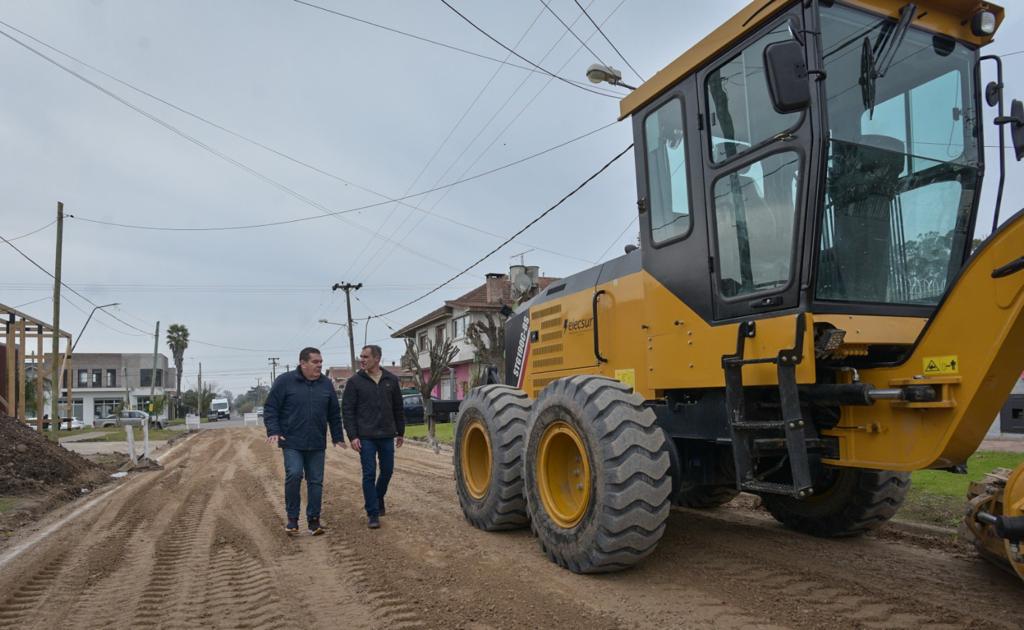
521, 256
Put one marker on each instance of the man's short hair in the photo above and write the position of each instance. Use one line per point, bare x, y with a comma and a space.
374, 350
306, 352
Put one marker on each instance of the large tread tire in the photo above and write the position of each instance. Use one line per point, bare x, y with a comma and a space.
629, 471
703, 496
857, 501
504, 412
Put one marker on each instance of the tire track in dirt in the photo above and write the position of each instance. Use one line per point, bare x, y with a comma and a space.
21, 606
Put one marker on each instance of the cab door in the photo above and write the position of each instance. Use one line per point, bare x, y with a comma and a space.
754, 161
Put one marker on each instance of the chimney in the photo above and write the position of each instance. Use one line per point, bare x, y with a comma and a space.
496, 287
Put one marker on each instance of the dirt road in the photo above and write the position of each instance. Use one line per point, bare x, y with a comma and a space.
200, 544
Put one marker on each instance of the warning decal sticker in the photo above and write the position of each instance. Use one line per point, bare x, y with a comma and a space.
933, 366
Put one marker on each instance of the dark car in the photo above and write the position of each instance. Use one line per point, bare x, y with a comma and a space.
413, 404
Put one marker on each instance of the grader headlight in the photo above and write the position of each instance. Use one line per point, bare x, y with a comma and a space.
983, 23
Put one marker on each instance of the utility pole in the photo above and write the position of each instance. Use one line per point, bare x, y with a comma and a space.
273, 368
152, 394
199, 392
56, 378
259, 384
348, 287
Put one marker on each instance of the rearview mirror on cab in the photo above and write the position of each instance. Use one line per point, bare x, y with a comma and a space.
787, 76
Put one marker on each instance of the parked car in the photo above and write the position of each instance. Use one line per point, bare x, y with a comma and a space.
75, 423
413, 404
258, 411
132, 417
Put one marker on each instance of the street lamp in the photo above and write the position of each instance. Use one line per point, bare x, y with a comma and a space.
352, 352
63, 360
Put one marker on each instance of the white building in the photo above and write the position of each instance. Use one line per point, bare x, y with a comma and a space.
102, 381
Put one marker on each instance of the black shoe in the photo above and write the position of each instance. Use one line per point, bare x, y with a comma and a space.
292, 527
373, 523
380, 502
315, 528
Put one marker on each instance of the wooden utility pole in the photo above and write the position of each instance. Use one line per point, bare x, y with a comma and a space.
56, 379
152, 394
273, 368
199, 392
348, 287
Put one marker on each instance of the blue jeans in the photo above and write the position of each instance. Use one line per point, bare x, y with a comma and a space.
295, 463
374, 487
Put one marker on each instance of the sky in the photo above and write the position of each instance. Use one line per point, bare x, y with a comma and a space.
348, 115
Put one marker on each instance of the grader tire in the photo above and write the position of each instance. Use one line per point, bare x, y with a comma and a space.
704, 496
489, 435
855, 502
596, 474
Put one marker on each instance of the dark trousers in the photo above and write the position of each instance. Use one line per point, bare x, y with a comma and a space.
296, 463
374, 486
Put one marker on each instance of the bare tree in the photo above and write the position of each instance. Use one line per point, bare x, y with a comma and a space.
426, 379
488, 339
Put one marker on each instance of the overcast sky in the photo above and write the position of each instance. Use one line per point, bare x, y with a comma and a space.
379, 113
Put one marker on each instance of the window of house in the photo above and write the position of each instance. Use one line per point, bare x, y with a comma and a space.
97, 378
448, 388
145, 377
104, 407
421, 341
459, 325
83, 378
111, 380
666, 172
159, 377
76, 407
439, 335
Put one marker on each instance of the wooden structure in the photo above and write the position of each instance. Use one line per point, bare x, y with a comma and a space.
18, 330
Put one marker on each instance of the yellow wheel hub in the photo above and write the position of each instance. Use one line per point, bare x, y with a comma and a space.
475, 459
563, 474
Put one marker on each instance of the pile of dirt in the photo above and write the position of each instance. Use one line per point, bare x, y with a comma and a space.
30, 463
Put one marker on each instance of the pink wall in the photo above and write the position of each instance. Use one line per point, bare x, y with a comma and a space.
462, 373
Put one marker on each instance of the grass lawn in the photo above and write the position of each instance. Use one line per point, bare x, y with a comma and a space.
419, 431
938, 498
114, 434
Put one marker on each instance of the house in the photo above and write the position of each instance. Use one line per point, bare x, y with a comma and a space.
102, 381
340, 375
452, 320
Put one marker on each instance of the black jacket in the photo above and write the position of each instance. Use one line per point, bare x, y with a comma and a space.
301, 410
373, 410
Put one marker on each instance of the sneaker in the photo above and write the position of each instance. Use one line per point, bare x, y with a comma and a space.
373, 523
380, 502
315, 528
292, 527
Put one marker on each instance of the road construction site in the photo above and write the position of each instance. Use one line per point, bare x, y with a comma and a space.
201, 543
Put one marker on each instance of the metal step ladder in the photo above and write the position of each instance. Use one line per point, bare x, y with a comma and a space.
792, 422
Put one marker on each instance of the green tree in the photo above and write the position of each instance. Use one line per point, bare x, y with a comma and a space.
177, 341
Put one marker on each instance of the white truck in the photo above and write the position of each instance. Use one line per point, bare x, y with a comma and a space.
220, 408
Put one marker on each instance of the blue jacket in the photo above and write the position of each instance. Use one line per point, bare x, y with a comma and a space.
300, 410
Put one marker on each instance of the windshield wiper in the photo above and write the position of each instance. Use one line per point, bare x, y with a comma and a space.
875, 61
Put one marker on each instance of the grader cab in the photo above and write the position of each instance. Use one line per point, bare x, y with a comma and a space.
806, 319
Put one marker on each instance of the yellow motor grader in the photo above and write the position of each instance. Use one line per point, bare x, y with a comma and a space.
806, 319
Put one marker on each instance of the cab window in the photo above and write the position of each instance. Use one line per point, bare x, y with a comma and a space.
666, 172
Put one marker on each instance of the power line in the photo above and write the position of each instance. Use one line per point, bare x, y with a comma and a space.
517, 55
508, 125
618, 238
35, 231
283, 188
64, 284
252, 226
293, 159
449, 46
621, 56
571, 32
437, 151
34, 301
511, 238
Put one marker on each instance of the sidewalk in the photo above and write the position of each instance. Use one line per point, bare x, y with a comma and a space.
1004, 445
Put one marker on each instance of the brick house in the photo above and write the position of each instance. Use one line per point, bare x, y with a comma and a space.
452, 320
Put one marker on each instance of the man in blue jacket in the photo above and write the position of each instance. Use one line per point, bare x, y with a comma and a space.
375, 423
299, 408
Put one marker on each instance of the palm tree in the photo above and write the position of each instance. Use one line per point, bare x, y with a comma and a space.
177, 341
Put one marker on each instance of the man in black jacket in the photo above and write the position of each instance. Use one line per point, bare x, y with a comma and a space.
299, 408
375, 422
